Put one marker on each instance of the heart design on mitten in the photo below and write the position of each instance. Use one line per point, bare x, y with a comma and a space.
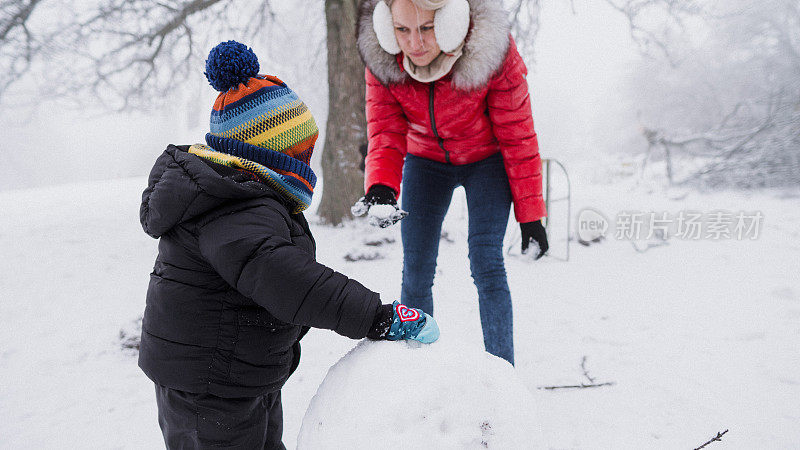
407, 314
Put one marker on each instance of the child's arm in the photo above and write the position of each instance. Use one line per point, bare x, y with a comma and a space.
253, 252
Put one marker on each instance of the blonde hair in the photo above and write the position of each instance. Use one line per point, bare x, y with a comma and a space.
430, 5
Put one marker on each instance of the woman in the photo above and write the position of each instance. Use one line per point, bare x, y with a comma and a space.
448, 106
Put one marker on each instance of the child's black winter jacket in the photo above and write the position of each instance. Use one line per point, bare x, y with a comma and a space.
235, 284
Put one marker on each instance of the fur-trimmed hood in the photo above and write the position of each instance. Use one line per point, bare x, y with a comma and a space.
484, 50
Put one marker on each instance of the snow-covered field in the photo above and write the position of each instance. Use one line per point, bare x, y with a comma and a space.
699, 336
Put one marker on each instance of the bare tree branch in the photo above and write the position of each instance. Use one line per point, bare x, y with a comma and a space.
264, 16
638, 11
128, 67
18, 46
15, 14
717, 438
524, 19
128, 53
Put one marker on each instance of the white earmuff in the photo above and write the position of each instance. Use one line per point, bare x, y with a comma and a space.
450, 24
383, 25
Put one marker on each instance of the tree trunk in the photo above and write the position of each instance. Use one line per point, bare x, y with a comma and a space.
346, 129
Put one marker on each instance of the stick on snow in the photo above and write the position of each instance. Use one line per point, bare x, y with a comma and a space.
715, 438
591, 383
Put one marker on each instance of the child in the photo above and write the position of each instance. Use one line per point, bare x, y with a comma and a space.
236, 285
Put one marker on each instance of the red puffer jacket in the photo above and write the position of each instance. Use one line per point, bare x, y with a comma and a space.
472, 113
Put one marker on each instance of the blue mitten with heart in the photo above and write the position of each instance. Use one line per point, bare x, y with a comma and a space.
411, 323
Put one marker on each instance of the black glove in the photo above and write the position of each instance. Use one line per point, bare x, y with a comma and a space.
379, 195
534, 231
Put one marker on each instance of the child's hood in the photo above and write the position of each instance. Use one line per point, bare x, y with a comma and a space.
182, 187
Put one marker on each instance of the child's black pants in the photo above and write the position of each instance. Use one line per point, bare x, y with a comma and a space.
199, 421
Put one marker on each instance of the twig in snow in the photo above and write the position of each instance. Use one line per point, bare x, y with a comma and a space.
591, 383
585, 372
715, 438
576, 386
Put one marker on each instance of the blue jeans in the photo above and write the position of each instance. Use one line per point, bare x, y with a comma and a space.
427, 189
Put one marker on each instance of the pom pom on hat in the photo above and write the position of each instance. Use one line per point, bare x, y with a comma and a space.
229, 64
257, 117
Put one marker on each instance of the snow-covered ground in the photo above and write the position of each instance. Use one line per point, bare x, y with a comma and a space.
699, 336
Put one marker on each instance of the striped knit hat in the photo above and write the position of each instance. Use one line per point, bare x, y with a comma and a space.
259, 124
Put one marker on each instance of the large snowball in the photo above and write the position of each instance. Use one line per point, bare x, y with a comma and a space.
414, 396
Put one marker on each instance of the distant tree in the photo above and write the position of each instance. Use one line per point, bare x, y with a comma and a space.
658, 25
18, 44
726, 112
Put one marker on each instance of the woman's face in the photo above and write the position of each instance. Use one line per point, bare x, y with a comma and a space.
413, 28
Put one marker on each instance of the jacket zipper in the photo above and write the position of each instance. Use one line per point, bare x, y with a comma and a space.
433, 123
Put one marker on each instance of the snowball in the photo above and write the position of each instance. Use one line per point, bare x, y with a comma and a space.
382, 211
408, 395
385, 215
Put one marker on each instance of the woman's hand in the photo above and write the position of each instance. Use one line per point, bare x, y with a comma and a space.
534, 231
381, 204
